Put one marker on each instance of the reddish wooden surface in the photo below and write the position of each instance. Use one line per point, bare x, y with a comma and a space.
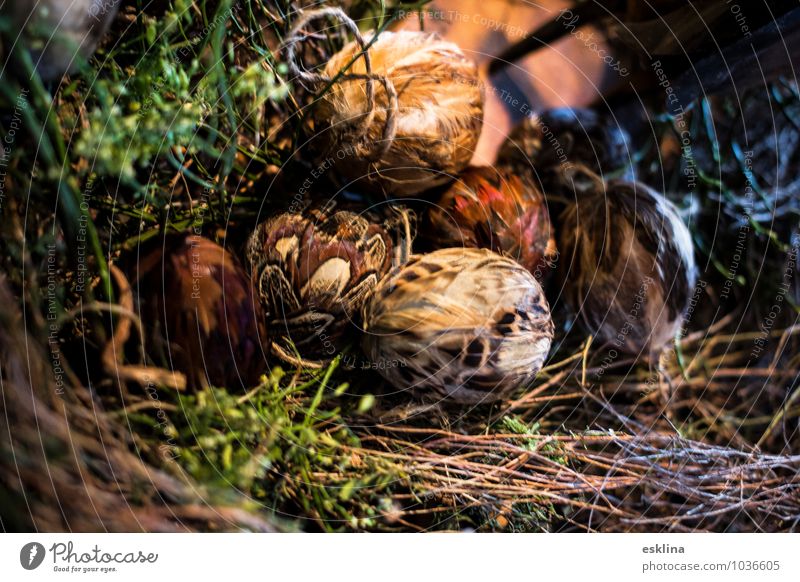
567, 73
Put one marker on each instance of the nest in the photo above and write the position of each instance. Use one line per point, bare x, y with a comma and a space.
706, 441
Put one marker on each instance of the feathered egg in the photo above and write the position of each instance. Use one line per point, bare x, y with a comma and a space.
556, 139
500, 211
199, 303
313, 270
627, 265
438, 117
464, 324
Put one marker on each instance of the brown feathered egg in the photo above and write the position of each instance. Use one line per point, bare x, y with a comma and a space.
556, 139
438, 118
627, 265
198, 303
500, 211
464, 324
313, 270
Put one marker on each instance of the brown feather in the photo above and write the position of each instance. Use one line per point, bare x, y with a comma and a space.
313, 271
629, 269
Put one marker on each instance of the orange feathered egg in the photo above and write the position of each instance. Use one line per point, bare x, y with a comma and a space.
436, 121
496, 210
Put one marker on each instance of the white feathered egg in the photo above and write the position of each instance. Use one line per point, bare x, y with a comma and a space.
463, 324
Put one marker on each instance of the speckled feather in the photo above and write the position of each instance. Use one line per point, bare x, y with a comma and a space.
628, 265
314, 270
439, 119
463, 324
498, 211
200, 305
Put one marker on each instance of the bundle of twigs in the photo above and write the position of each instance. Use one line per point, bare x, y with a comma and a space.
594, 481
65, 465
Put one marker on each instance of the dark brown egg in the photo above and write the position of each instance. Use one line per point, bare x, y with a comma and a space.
627, 265
495, 210
549, 143
314, 270
198, 303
